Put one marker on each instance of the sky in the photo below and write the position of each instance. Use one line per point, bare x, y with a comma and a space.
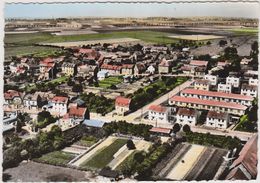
246, 10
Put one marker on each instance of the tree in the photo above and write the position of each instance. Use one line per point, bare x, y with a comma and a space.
208, 43
77, 88
222, 43
176, 128
186, 128
139, 157
130, 144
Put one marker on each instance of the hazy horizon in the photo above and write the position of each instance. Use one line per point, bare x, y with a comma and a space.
136, 10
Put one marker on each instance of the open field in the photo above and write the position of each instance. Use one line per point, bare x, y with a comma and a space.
38, 172
108, 82
190, 162
103, 157
245, 30
198, 37
24, 44
98, 41
56, 158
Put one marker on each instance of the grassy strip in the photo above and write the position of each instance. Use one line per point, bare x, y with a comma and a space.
108, 82
59, 158
101, 159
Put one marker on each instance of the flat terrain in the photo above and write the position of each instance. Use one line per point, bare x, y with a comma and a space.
37, 172
108, 82
197, 37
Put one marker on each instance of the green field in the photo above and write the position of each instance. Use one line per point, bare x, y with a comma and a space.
108, 82
245, 30
103, 157
56, 158
87, 141
23, 44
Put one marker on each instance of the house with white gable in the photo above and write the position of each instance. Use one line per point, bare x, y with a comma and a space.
59, 105
249, 90
233, 81
226, 88
158, 113
212, 78
217, 120
187, 116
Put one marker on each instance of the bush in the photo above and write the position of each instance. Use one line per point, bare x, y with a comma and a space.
130, 144
186, 128
176, 128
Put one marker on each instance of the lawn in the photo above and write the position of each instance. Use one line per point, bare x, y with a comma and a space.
245, 30
87, 141
108, 82
56, 158
103, 157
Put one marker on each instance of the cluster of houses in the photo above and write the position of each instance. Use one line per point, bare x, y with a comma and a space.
223, 105
71, 111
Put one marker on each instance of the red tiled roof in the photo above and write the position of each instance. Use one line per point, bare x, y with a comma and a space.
58, 99
160, 130
122, 101
248, 156
111, 67
186, 112
157, 108
128, 66
77, 111
217, 115
164, 63
186, 68
10, 94
198, 63
208, 102
216, 94
248, 87
202, 81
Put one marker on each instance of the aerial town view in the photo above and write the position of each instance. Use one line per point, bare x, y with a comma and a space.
99, 92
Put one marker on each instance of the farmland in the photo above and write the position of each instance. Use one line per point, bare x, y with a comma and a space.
24, 44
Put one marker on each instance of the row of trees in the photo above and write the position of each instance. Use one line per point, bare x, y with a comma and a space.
142, 163
140, 130
98, 104
144, 95
45, 118
213, 140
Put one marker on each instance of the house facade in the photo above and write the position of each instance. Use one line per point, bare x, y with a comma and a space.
122, 105
233, 81
225, 88
59, 105
69, 69
202, 84
158, 113
212, 78
187, 116
218, 96
217, 120
249, 90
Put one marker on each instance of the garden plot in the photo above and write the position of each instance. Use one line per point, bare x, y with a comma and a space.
56, 158
198, 37
124, 152
91, 153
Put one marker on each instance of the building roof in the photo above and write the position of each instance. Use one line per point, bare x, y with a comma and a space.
186, 112
165, 63
128, 66
217, 94
160, 130
58, 99
122, 101
75, 111
202, 81
208, 102
198, 63
66, 64
157, 108
94, 123
10, 94
111, 67
217, 115
248, 156
248, 87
